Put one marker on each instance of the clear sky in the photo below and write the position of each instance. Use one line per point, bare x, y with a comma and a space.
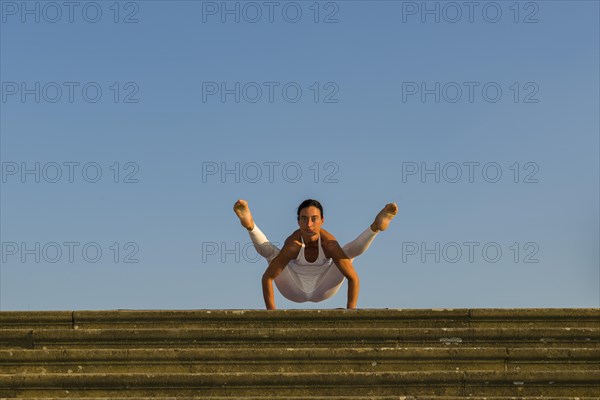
128, 130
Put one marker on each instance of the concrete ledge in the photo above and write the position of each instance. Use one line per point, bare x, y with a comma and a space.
22, 319
131, 380
399, 354
25, 338
308, 397
36, 319
291, 360
556, 383
314, 354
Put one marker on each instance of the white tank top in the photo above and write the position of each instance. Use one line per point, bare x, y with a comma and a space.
307, 275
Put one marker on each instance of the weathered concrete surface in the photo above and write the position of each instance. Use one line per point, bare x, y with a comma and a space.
443, 354
294, 360
393, 397
324, 318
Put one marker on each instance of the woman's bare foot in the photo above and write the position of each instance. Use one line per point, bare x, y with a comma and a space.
243, 212
382, 220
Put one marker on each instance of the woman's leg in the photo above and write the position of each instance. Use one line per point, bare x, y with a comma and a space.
363, 241
289, 286
331, 282
359, 245
262, 245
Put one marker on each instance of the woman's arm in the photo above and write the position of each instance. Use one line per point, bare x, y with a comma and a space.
333, 250
276, 266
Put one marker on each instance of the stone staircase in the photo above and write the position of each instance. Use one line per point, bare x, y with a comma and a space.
493, 354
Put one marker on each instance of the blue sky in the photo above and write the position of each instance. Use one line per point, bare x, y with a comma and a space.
142, 122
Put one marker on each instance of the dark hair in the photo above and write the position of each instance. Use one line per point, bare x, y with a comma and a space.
310, 203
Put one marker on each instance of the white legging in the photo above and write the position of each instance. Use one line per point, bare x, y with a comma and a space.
329, 284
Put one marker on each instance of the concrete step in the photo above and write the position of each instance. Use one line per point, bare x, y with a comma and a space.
314, 354
296, 360
315, 337
382, 318
555, 383
394, 397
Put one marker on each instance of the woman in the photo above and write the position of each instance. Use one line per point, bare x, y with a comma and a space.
311, 266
